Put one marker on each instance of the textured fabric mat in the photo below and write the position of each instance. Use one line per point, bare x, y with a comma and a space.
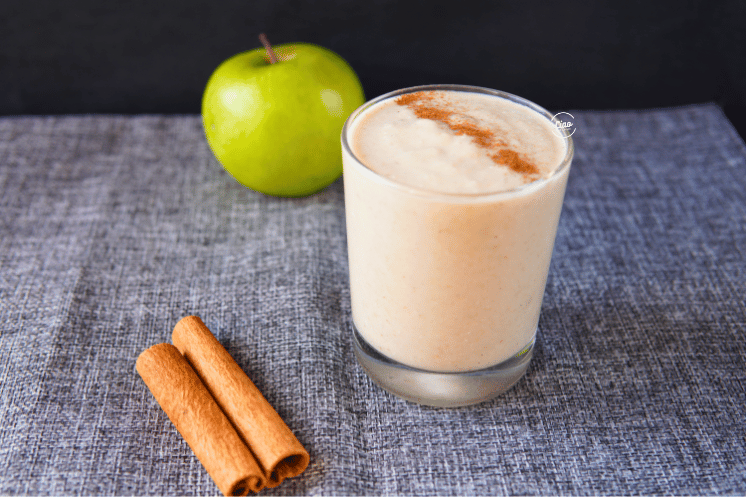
112, 228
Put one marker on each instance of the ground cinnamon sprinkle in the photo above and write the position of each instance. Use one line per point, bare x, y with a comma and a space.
425, 106
515, 161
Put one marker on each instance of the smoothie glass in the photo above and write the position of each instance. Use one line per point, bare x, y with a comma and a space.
446, 288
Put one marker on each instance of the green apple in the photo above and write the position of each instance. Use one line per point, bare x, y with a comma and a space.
276, 126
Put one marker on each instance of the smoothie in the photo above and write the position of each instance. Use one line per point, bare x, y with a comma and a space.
452, 200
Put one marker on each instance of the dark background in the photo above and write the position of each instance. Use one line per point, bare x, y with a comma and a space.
89, 56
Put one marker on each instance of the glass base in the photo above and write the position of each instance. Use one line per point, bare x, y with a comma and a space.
440, 389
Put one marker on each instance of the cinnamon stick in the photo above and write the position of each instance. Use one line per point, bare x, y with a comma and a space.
193, 411
277, 450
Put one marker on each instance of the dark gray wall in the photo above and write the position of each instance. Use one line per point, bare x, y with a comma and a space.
152, 56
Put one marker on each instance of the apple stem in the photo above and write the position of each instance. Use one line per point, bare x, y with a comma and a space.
270, 52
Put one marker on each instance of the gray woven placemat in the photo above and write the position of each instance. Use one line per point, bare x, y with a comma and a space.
112, 228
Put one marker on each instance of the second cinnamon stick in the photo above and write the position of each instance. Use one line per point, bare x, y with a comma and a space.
274, 445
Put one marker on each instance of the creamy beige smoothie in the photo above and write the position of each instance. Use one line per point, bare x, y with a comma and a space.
452, 201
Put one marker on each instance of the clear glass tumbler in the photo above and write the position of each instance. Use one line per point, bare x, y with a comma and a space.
447, 288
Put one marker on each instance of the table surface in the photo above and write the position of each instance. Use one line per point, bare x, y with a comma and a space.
114, 227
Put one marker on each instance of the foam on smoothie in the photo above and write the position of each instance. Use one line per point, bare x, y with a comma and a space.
457, 142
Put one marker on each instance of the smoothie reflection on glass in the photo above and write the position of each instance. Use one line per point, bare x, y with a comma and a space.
452, 197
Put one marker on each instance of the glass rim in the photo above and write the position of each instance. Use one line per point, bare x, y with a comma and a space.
531, 186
